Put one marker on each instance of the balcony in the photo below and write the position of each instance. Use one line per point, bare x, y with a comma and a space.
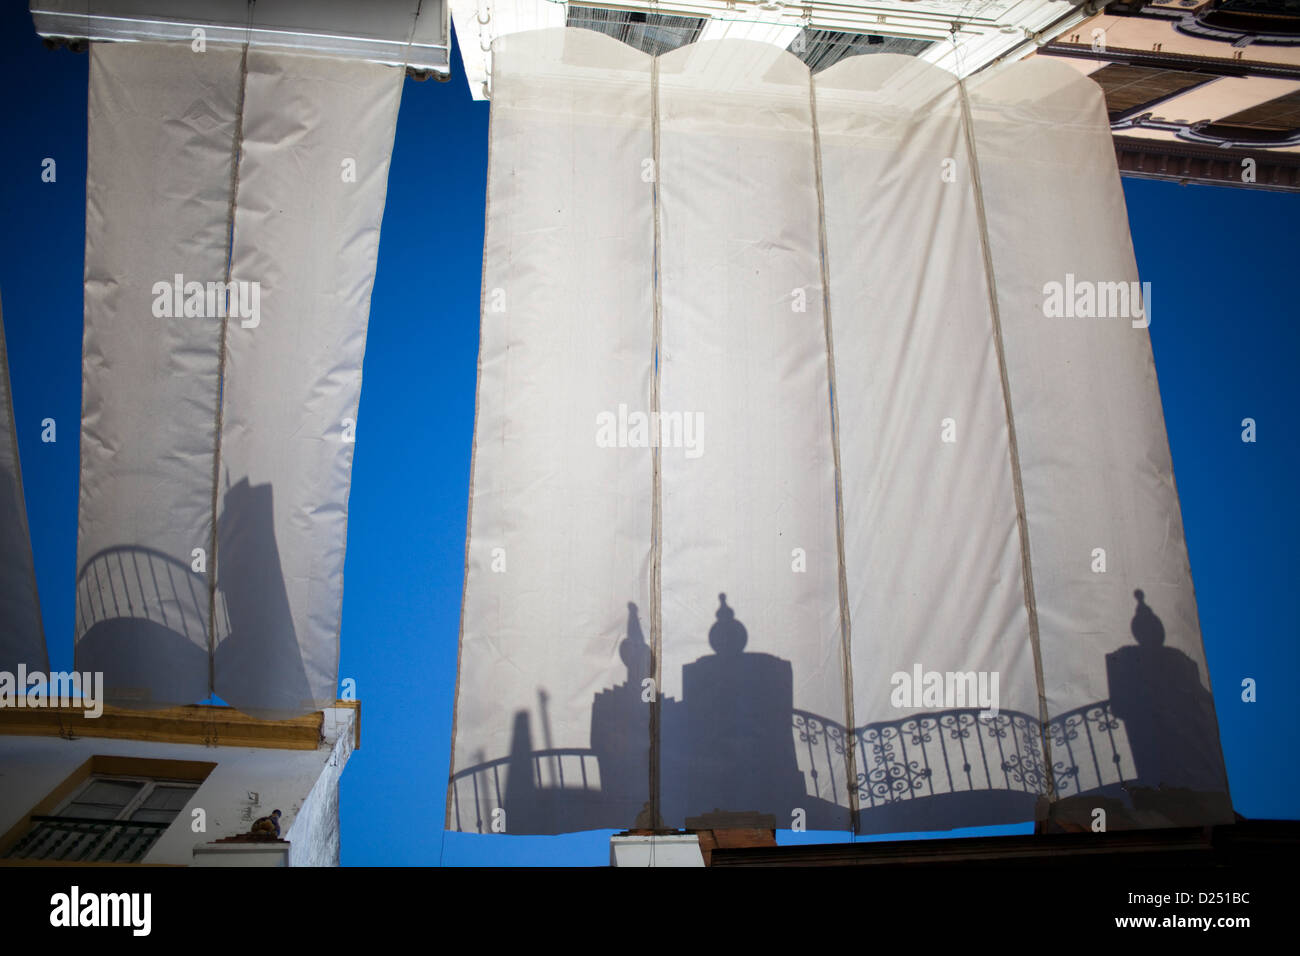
86, 840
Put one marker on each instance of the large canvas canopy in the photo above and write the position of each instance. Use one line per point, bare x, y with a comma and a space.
234, 199
799, 489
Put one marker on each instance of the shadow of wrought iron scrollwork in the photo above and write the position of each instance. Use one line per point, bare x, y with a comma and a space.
940, 763
891, 775
1076, 737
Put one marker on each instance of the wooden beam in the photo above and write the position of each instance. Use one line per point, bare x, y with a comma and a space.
194, 724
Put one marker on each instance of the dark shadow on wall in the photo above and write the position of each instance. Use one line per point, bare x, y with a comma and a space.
1176, 776
620, 730
728, 747
1179, 776
1168, 713
258, 666
728, 753
558, 790
142, 617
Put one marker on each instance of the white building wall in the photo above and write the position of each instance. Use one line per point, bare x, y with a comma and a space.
314, 838
302, 784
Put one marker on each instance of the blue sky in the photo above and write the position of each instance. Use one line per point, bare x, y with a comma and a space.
1221, 263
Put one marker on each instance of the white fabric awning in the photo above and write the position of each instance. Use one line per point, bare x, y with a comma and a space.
234, 199
779, 423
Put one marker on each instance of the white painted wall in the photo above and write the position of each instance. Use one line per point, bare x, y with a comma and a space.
681, 849
313, 834
228, 855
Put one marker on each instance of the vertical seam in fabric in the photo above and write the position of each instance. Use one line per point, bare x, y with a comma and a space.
846, 628
1013, 448
656, 512
236, 147
91, 71
473, 462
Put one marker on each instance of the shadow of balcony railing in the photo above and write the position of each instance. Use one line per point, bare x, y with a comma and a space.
142, 619
955, 751
130, 582
480, 790
929, 755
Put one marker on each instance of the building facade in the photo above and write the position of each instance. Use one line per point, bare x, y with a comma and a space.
1198, 90
177, 787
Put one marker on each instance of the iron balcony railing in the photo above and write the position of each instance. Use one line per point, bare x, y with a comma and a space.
87, 840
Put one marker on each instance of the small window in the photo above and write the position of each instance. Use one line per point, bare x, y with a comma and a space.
109, 819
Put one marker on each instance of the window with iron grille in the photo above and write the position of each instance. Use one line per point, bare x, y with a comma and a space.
820, 49
109, 819
652, 33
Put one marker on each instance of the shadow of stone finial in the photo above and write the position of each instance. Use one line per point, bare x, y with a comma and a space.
1146, 627
634, 650
727, 635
